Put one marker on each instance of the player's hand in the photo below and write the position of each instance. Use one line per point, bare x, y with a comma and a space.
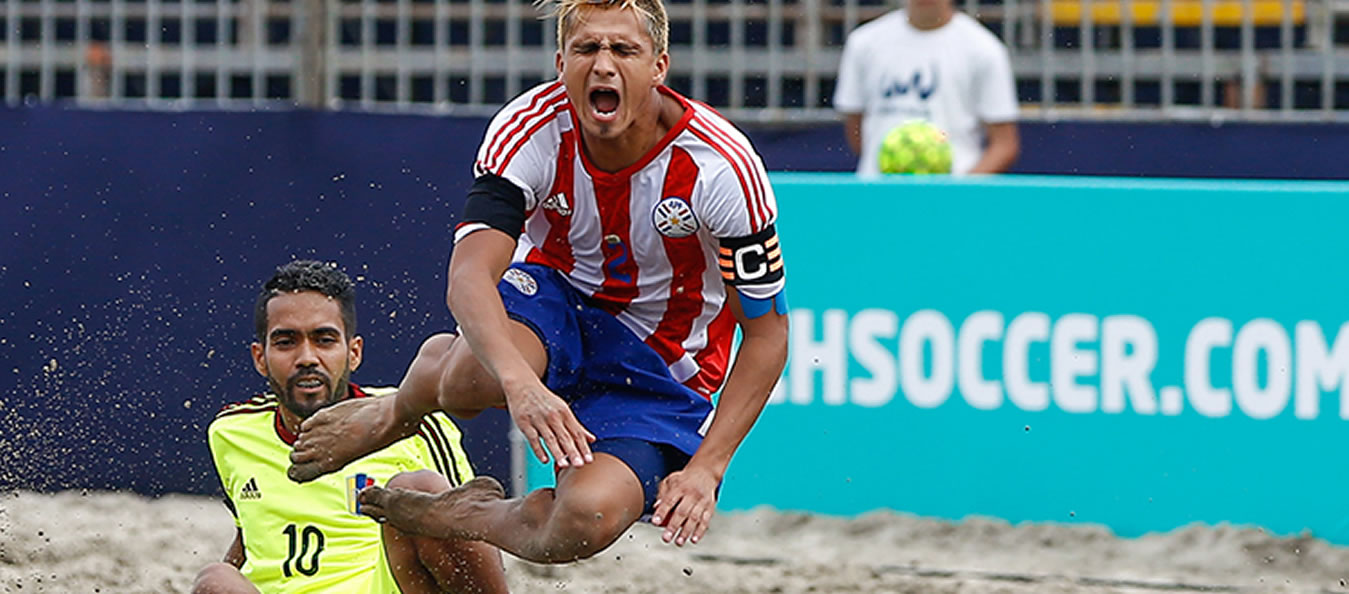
545, 419
684, 505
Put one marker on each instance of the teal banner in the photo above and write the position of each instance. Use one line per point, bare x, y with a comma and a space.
1142, 354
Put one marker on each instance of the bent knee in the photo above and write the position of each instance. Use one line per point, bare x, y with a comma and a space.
592, 524
428, 481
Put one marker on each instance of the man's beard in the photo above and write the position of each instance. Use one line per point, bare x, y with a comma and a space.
337, 392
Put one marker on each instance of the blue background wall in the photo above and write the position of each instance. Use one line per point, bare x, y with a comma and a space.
131, 246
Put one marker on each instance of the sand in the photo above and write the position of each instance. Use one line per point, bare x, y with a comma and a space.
116, 542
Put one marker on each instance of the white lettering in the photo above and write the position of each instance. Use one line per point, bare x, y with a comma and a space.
1208, 334
1026, 328
927, 326
1317, 370
828, 356
980, 327
761, 267
866, 328
1068, 362
1122, 369
1268, 336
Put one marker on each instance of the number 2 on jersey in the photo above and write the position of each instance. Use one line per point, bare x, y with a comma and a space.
300, 543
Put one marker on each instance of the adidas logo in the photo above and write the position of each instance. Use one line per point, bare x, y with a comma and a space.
250, 490
557, 202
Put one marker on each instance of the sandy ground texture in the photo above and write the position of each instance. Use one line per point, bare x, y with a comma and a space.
115, 542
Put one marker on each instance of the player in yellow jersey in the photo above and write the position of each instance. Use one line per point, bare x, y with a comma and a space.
310, 537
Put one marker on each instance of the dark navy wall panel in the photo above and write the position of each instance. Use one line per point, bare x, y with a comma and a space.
131, 245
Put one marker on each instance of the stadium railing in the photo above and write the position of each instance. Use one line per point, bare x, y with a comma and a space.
765, 61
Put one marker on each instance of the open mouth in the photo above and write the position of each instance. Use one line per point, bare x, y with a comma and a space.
604, 103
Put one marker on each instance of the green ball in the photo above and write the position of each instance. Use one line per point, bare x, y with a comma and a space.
916, 146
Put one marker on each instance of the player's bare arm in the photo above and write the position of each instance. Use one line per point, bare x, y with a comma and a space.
852, 129
688, 498
1004, 145
545, 419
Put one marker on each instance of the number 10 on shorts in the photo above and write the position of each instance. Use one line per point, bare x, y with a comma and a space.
355, 483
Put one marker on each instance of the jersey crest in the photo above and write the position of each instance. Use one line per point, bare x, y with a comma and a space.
673, 217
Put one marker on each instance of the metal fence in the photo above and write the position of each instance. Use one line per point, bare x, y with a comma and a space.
764, 60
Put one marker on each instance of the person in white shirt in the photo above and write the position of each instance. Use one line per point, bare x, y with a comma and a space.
931, 62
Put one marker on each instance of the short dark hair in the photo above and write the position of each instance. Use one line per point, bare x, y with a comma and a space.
308, 275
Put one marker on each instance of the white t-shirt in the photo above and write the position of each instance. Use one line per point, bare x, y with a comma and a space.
958, 77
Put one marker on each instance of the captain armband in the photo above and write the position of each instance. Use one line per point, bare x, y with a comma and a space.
753, 265
493, 203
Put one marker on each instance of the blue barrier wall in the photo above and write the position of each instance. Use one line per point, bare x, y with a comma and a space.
131, 245
1140, 354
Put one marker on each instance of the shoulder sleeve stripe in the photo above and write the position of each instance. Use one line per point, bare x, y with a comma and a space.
741, 145
753, 168
256, 401
502, 134
555, 106
433, 447
451, 448
735, 164
509, 133
435, 456
440, 451
244, 409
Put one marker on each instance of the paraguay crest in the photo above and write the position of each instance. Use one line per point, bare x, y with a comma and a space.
521, 281
673, 217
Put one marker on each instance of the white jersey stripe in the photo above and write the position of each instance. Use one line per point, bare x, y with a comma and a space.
751, 174
736, 166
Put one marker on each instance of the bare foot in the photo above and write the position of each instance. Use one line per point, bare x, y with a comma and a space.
344, 432
448, 514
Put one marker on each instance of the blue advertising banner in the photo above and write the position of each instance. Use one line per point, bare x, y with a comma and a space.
1141, 354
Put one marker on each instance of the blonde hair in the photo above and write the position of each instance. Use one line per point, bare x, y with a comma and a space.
652, 13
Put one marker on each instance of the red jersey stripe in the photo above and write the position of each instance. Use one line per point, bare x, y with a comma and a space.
686, 260
712, 359
557, 105
752, 165
755, 201
705, 136
509, 133
557, 248
612, 199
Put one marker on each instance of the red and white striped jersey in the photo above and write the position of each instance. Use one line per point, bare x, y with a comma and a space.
643, 243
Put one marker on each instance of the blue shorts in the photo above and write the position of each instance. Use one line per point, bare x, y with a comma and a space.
651, 462
617, 386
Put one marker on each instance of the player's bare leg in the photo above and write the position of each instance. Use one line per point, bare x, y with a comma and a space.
590, 508
445, 375
425, 565
222, 578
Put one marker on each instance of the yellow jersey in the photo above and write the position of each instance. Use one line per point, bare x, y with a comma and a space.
307, 537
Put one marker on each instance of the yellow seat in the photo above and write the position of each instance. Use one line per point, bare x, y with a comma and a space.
1184, 13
